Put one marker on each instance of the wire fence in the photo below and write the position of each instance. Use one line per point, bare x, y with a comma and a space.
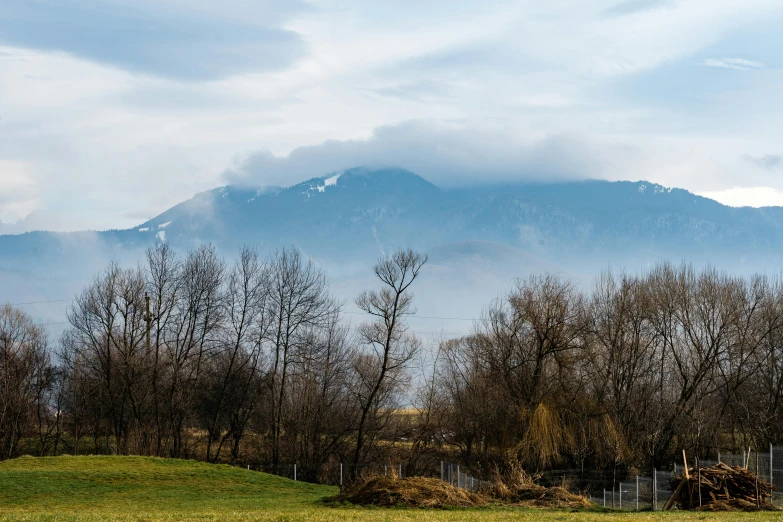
635, 493
459, 476
607, 488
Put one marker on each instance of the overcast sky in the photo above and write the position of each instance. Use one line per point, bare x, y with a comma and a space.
111, 111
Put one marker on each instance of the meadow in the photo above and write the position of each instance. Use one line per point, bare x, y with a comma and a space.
93, 488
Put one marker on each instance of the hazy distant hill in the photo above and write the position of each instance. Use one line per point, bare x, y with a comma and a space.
362, 212
348, 219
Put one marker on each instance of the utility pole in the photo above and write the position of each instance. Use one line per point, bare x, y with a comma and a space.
148, 320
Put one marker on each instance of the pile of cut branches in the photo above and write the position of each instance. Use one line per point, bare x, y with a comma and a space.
720, 488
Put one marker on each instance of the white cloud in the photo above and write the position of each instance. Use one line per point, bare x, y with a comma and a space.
748, 196
737, 64
461, 90
19, 194
447, 155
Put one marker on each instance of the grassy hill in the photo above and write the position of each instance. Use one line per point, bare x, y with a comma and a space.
143, 487
151, 489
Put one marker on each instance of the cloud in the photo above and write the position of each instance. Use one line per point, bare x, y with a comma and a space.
767, 162
185, 45
19, 192
635, 6
445, 155
737, 64
747, 196
99, 108
36, 220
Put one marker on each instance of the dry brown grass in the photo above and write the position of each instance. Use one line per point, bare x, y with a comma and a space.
735, 504
388, 491
517, 489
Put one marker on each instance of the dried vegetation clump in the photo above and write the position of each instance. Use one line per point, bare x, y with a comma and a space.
518, 489
388, 491
735, 504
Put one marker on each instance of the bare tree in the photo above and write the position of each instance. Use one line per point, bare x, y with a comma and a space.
25, 373
247, 326
623, 354
298, 301
322, 413
164, 284
390, 346
107, 339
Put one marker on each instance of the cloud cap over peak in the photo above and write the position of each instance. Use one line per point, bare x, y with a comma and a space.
452, 155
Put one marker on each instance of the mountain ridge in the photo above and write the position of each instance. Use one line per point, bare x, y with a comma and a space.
479, 238
361, 212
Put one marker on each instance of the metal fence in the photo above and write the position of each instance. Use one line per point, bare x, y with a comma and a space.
604, 488
459, 476
643, 491
636, 493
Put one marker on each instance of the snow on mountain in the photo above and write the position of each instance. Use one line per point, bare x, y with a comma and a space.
328, 182
356, 215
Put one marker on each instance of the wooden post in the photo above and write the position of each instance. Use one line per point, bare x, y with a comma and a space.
676, 492
758, 500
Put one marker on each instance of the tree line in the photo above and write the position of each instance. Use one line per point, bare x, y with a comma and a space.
252, 361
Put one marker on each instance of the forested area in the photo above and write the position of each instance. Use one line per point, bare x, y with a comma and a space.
252, 361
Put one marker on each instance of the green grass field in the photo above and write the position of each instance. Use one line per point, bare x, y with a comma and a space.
140, 488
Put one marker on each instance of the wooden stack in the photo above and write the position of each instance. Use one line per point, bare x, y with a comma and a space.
721, 486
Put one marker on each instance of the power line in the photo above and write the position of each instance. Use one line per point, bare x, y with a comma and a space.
350, 313
40, 302
419, 332
354, 328
425, 317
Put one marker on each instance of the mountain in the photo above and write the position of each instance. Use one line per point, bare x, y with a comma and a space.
482, 235
362, 211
